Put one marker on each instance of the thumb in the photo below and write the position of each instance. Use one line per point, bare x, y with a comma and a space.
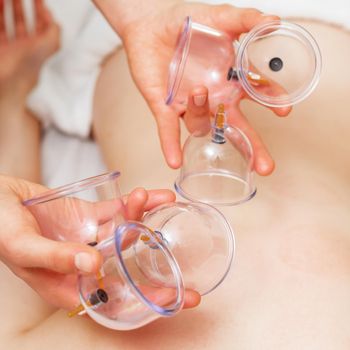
32, 250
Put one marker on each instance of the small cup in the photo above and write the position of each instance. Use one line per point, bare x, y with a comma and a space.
86, 211
217, 168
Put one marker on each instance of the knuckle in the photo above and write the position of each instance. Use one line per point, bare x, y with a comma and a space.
55, 259
199, 113
249, 14
224, 7
250, 11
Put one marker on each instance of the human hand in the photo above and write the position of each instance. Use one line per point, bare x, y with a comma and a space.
149, 38
23, 55
197, 119
42, 263
51, 267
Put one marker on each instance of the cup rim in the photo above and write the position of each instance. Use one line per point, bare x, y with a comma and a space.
178, 62
71, 188
278, 101
185, 194
180, 287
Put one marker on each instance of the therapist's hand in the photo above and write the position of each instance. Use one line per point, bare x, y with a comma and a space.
149, 31
42, 263
48, 266
23, 55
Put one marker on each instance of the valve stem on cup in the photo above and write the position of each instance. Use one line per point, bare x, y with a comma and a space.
257, 79
97, 298
219, 125
151, 242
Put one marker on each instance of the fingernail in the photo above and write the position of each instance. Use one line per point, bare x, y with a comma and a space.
265, 168
83, 262
200, 100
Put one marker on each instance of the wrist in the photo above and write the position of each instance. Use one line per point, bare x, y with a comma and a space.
121, 14
10, 107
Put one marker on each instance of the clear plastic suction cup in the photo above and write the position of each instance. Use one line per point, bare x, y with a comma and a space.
217, 168
218, 174
200, 239
122, 296
278, 64
85, 211
204, 56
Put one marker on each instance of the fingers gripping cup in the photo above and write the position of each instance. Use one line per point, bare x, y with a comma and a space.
146, 267
277, 64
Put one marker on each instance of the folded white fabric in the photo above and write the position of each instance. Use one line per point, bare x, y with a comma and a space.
67, 159
64, 95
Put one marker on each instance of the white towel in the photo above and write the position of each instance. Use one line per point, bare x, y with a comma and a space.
64, 95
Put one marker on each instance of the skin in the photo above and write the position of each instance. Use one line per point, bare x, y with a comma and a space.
46, 265
21, 59
289, 285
